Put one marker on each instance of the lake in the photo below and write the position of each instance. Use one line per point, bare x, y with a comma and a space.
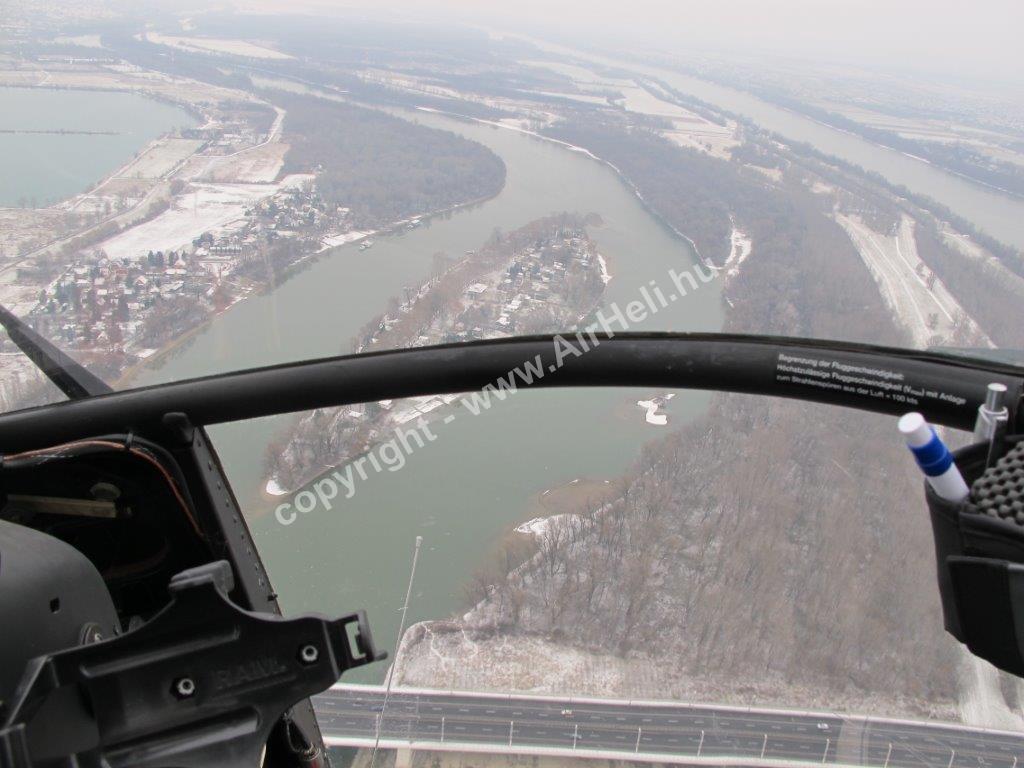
40, 169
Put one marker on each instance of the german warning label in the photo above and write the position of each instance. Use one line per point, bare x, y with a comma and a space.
858, 380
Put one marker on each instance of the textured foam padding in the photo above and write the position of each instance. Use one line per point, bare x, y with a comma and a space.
999, 492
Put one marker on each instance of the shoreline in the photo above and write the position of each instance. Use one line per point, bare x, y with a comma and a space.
584, 151
71, 203
1009, 193
484, 269
261, 289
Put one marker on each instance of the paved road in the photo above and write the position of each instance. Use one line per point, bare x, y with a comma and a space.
349, 715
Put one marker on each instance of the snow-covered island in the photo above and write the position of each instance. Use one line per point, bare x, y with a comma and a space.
544, 277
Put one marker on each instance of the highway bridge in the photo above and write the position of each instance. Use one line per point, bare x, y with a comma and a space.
650, 731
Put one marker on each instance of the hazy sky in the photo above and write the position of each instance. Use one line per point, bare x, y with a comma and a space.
979, 36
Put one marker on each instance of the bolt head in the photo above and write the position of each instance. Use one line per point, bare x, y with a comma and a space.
184, 687
308, 654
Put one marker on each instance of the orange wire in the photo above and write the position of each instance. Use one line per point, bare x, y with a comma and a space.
120, 447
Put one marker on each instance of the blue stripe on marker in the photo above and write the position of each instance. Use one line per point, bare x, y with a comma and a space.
933, 457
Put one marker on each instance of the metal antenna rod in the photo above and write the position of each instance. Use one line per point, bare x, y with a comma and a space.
398, 644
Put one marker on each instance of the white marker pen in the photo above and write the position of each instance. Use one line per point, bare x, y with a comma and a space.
934, 458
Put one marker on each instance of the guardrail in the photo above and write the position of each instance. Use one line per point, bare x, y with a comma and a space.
553, 698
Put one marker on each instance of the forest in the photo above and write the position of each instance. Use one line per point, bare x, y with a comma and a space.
769, 543
683, 189
381, 167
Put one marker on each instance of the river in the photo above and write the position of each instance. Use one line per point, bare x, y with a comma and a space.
1000, 215
481, 476
39, 169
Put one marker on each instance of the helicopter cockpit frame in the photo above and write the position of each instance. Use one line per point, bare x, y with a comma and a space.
140, 627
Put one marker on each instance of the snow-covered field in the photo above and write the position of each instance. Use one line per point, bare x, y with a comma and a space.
203, 208
160, 158
583, 98
257, 165
689, 129
716, 140
643, 102
217, 45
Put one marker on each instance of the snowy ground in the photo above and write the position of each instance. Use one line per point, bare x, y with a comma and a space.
274, 489
334, 241
82, 41
740, 246
257, 165
17, 373
981, 696
217, 45
18, 298
583, 98
538, 526
917, 298
644, 102
442, 654
202, 208
160, 158
689, 129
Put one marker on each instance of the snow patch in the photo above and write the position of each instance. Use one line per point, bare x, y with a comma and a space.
346, 237
741, 246
981, 698
653, 406
539, 526
215, 45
